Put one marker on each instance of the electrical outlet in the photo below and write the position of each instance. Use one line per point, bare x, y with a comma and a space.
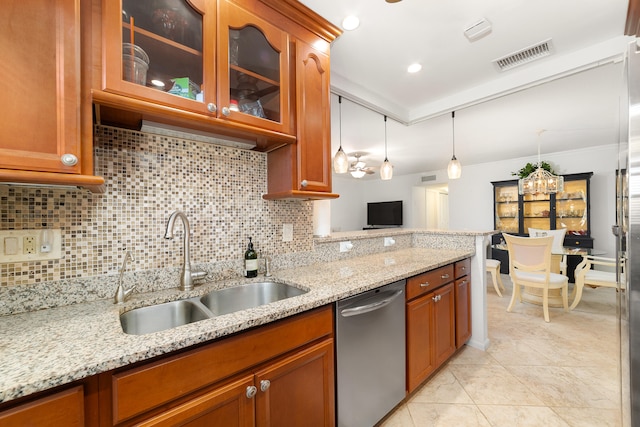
29, 245
287, 232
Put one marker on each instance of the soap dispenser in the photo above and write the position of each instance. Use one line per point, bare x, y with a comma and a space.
250, 261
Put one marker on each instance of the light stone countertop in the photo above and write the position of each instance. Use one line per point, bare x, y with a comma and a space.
47, 348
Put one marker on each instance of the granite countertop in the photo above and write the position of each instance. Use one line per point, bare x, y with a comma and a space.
47, 348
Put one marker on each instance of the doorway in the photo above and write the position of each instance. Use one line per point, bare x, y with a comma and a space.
431, 206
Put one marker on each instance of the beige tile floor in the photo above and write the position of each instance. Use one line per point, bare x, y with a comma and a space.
562, 373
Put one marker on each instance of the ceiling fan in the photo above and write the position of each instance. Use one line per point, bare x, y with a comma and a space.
358, 168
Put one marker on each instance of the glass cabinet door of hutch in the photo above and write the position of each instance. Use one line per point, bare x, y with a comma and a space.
536, 211
162, 46
571, 208
506, 208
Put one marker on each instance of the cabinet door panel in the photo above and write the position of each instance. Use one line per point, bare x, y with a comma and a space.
463, 310
257, 74
301, 390
420, 363
40, 120
226, 406
176, 41
314, 119
444, 321
63, 408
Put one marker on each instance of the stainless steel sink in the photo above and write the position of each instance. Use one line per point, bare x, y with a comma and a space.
159, 317
169, 315
228, 300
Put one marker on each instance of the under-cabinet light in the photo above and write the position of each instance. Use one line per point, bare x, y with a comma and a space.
195, 135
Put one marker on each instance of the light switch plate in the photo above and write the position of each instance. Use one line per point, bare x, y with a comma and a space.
27, 245
287, 232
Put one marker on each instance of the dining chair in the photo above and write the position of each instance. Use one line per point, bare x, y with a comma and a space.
493, 267
586, 276
558, 258
530, 265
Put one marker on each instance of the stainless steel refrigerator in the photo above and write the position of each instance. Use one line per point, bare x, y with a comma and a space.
627, 230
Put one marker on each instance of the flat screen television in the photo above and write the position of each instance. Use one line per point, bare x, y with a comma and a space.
385, 214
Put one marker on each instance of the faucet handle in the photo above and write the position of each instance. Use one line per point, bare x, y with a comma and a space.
195, 275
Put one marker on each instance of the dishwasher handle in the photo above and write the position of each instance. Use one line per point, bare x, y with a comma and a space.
367, 308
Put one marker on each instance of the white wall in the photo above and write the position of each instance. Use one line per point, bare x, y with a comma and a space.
471, 196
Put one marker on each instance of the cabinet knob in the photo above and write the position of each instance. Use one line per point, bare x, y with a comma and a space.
212, 107
226, 111
69, 160
264, 385
304, 183
251, 391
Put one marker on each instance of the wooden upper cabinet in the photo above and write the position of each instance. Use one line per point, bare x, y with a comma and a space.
220, 67
151, 49
303, 170
254, 69
45, 127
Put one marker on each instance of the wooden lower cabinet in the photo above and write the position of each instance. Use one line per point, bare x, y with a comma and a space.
430, 333
299, 389
438, 316
463, 301
62, 408
293, 391
281, 374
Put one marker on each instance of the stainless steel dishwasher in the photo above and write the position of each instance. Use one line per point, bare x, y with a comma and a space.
370, 362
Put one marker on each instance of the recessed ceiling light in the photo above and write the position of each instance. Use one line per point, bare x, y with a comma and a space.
351, 22
414, 68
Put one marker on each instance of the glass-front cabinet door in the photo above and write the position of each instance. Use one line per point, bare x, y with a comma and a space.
506, 208
572, 208
537, 211
253, 78
155, 50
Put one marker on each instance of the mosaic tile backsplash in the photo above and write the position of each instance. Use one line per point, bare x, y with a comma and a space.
147, 178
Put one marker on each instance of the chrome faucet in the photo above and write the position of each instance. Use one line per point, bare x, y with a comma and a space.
121, 292
186, 275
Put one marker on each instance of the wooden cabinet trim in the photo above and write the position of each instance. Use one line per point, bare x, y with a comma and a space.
194, 369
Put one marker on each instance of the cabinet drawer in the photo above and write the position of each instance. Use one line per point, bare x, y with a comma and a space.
462, 268
135, 391
426, 282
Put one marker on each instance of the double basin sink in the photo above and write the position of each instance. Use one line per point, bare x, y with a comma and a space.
169, 315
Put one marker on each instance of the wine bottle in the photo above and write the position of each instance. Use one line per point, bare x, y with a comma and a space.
250, 261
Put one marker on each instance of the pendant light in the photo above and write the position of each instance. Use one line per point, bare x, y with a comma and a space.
340, 160
454, 170
386, 170
541, 180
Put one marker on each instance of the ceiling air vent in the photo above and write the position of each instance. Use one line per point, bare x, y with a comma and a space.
428, 178
524, 56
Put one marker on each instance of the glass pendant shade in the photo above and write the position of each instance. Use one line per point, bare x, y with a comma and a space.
386, 170
454, 169
340, 160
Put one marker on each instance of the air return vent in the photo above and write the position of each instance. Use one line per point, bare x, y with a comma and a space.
428, 178
524, 56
